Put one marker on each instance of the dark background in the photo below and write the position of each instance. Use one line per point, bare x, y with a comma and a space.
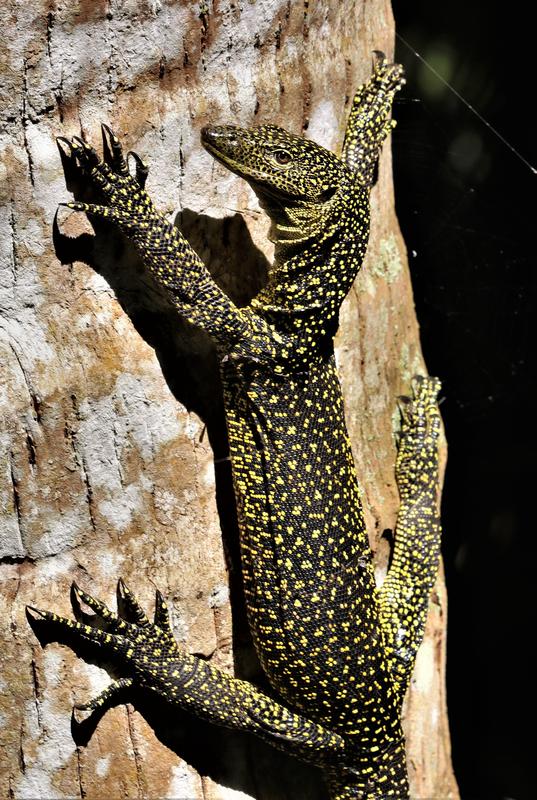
467, 210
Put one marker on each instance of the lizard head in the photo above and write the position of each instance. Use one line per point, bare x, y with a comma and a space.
318, 210
282, 168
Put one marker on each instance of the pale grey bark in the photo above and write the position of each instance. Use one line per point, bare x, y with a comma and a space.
105, 466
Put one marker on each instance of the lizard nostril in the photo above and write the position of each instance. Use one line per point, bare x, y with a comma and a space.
208, 134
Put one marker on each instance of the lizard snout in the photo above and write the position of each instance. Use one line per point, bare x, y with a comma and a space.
222, 138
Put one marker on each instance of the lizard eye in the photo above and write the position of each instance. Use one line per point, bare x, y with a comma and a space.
282, 156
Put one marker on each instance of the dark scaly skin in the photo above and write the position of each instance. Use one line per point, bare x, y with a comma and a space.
404, 595
337, 651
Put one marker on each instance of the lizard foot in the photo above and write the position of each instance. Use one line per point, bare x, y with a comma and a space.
123, 198
387, 76
145, 651
417, 457
370, 119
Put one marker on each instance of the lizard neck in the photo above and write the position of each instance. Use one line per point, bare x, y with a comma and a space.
318, 252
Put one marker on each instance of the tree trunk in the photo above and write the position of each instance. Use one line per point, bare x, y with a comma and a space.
111, 406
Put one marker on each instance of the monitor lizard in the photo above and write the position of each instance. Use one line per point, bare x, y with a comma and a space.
337, 651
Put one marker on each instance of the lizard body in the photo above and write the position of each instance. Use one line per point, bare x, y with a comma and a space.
337, 652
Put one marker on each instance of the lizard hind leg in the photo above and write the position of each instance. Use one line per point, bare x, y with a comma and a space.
404, 595
150, 658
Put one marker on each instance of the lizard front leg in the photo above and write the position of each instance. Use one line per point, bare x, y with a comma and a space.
169, 258
149, 657
404, 595
167, 255
370, 120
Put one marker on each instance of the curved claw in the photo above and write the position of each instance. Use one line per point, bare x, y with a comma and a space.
99, 171
88, 159
112, 144
44, 615
380, 57
91, 154
102, 613
77, 152
142, 170
64, 141
110, 133
77, 595
129, 607
79, 145
162, 616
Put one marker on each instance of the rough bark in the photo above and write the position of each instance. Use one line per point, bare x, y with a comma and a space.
111, 407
